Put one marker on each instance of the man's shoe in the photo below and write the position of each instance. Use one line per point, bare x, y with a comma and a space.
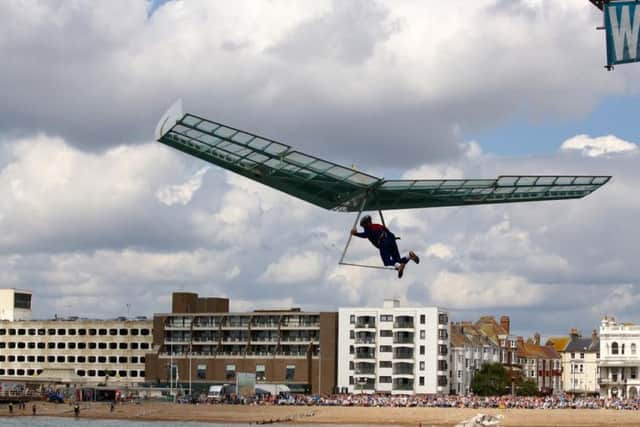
414, 257
400, 269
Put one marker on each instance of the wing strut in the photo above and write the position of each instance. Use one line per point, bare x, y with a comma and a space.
355, 224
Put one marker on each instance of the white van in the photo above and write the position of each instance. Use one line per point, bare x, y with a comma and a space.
215, 393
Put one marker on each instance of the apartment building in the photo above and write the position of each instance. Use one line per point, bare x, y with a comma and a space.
15, 304
471, 348
202, 343
540, 363
580, 359
393, 349
619, 359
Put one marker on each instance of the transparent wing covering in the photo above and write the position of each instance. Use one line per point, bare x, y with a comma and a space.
406, 194
269, 162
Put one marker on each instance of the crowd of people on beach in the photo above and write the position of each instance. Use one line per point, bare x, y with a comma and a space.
475, 402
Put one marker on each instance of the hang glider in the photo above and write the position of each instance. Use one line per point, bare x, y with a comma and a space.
332, 186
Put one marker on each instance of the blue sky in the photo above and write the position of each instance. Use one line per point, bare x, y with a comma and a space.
613, 115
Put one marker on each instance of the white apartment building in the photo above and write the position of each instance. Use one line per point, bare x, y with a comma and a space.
470, 350
393, 349
79, 351
580, 359
619, 359
15, 304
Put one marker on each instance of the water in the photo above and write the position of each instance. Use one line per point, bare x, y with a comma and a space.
85, 422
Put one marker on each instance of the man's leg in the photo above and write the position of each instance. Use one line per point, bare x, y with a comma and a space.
387, 260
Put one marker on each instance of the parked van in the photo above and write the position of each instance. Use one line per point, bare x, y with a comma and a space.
215, 393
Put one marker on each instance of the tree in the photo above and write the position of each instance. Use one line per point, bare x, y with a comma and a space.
527, 387
491, 380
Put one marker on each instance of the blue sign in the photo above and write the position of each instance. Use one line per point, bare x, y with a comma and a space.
622, 24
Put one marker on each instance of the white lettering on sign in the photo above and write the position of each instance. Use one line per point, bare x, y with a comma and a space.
623, 32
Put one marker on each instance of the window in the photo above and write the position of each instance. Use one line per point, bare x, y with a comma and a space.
122, 373
62, 332
60, 359
422, 381
122, 359
622, 349
21, 300
386, 318
102, 332
291, 372
133, 346
422, 319
61, 345
72, 331
113, 359
352, 334
581, 367
633, 348
71, 359
260, 373
384, 380
122, 346
422, 365
124, 332
82, 359
93, 345
102, 345
423, 334
352, 319
134, 359
92, 359
386, 349
144, 332
231, 372
443, 319
49, 345
443, 334
40, 359
32, 331
581, 355
351, 350
113, 345
386, 364
201, 372
614, 348
102, 359
573, 355
71, 345
113, 332
386, 333
93, 332
421, 349
144, 345
442, 365
459, 374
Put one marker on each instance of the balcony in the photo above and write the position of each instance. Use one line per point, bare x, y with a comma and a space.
365, 355
265, 325
403, 322
403, 369
610, 381
402, 354
406, 385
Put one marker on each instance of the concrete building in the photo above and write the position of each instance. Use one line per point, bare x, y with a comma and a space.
541, 364
619, 358
201, 343
393, 349
470, 350
79, 351
15, 304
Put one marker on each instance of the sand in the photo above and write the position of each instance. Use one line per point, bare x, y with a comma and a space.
334, 415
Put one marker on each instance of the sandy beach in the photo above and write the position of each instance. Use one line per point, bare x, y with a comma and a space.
150, 411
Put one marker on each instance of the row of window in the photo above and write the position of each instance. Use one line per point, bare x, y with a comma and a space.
73, 331
73, 345
71, 359
387, 380
619, 349
79, 372
230, 372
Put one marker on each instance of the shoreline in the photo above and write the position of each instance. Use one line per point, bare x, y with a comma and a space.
330, 415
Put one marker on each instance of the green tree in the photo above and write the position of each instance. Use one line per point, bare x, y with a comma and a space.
491, 380
527, 387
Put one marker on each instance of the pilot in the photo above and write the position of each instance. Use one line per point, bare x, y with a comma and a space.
383, 239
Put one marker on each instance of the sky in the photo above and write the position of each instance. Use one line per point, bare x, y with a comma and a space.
98, 220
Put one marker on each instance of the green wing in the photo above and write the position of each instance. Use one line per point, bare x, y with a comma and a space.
332, 186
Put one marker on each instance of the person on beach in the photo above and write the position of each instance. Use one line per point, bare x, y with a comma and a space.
383, 239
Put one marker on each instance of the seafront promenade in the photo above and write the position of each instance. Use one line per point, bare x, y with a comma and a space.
267, 414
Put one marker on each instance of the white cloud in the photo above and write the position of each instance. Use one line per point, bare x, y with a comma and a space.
599, 146
459, 290
440, 250
295, 268
181, 193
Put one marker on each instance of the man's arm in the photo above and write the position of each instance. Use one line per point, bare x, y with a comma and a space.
354, 232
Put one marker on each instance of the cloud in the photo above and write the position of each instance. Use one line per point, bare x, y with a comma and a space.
440, 250
457, 290
295, 268
599, 146
181, 193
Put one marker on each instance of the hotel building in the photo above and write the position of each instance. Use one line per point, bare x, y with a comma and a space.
72, 350
201, 342
619, 359
393, 349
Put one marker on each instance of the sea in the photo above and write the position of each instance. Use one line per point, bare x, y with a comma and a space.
80, 422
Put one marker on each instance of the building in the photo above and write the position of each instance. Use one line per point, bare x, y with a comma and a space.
470, 350
619, 359
580, 358
541, 364
508, 343
15, 304
200, 343
393, 350
78, 351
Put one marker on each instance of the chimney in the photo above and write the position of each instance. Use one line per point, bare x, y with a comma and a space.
536, 338
594, 336
574, 333
505, 323
520, 341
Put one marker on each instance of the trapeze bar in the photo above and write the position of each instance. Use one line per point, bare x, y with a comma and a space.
366, 266
355, 224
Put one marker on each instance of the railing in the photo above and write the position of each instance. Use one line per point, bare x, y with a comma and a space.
265, 325
365, 340
369, 355
403, 386
365, 325
403, 371
403, 340
403, 355
403, 325
365, 371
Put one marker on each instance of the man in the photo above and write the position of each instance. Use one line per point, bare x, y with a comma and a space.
383, 239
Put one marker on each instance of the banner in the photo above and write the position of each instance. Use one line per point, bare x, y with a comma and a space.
622, 25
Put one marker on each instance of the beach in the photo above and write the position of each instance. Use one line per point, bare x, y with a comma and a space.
155, 411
